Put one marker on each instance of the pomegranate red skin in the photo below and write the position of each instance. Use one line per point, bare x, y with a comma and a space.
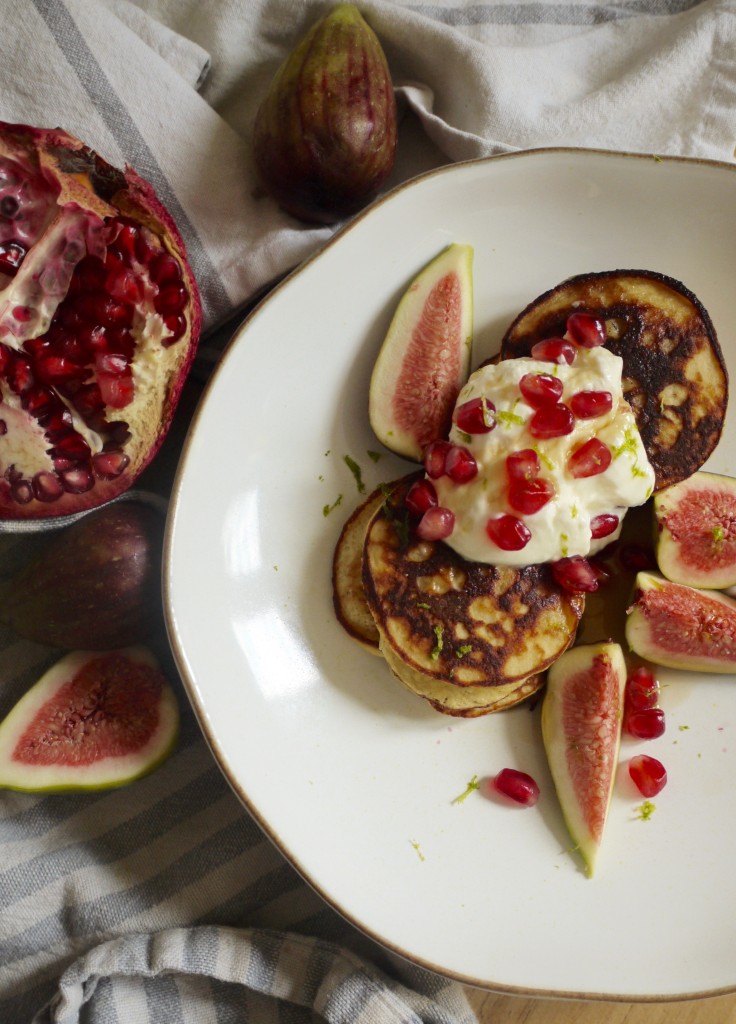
86, 181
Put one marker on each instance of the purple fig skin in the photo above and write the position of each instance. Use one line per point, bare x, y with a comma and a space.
96, 586
324, 138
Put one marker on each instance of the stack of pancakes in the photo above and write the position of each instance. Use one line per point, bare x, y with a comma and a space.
473, 638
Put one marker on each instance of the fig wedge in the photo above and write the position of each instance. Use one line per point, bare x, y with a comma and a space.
92, 721
582, 716
696, 531
425, 357
682, 627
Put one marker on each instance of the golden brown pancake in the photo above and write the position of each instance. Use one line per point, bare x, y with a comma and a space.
674, 373
465, 625
460, 701
348, 598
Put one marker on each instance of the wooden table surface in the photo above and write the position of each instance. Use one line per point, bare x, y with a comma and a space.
502, 1009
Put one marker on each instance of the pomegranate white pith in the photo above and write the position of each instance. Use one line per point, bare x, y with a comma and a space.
99, 320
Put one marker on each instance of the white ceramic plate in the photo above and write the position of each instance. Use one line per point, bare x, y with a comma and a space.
353, 778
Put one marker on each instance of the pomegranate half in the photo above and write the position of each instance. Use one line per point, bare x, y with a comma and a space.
99, 321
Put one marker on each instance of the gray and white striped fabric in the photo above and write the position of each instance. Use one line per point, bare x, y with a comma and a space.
164, 900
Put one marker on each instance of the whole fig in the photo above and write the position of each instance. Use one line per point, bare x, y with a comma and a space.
95, 586
324, 138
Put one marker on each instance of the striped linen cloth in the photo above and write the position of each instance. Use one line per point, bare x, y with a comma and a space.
163, 901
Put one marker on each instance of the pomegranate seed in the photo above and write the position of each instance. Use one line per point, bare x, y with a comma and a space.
3, 428
575, 574
518, 786
588, 404
88, 400
522, 465
117, 390
11, 257
118, 432
164, 270
508, 533
586, 330
476, 416
645, 724
460, 465
436, 523
435, 455
554, 350
420, 497
46, 486
589, 459
552, 421
72, 446
40, 402
176, 326
21, 491
171, 299
540, 389
642, 689
76, 480
126, 240
22, 314
636, 557
603, 525
20, 374
648, 774
124, 285
112, 363
532, 495
144, 250
5, 357
108, 465
57, 369
58, 424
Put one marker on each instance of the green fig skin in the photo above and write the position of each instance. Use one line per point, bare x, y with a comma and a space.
95, 586
324, 137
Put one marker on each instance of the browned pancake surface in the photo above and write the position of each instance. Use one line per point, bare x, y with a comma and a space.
462, 623
674, 373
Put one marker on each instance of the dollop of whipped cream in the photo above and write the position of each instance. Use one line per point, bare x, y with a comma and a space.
565, 524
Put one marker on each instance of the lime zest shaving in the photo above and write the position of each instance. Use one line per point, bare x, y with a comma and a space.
373, 456
356, 471
646, 810
508, 419
543, 457
326, 509
471, 786
460, 652
439, 642
418, 849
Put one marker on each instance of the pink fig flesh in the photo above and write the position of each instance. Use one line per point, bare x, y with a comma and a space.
582, 717
425, 357
696, 531
92, 721
682, 627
